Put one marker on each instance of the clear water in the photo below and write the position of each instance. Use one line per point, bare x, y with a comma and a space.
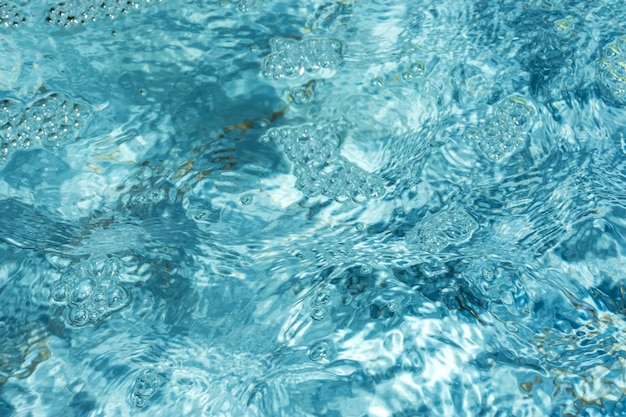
308, 208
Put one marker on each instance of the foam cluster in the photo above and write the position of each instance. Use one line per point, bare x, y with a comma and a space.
79, 12
611, 74
436, 232
504, 133
10, 15
320, 169
291, 58
147, 383
91, 292
48, 121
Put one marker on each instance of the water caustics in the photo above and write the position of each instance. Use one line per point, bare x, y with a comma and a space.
269, 208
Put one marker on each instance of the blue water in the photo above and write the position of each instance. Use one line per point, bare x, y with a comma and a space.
305, 208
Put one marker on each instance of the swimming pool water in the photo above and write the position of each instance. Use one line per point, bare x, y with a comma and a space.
313, 208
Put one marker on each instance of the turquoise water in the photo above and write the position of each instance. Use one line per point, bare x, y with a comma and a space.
286, 208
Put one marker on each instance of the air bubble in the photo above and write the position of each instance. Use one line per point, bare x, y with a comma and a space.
148, 197
79, 316
82, 290
246, 200
318, 314
118, 297
377, 82
366, 269
341, 195
245, 6
59, 292
488, 273
146, 385
99, 298
322, 297
322, 352
418, 69
300, 95
93, 315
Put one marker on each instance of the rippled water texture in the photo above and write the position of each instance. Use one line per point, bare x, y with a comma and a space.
246, 208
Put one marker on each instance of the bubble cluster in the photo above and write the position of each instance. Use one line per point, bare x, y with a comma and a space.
92, 292
436, 232
78, 12
48, 121
504, 133
292, 58
301, 94
320, 169
611, 74
407, 74
10, 15
152, 196
147, 383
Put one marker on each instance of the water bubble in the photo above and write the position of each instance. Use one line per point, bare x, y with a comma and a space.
78, 316
321, 297
148, 197
318, 314
245, 6
488, 273
99, 298
200, 215
246, 199
59, 292
563, 26
322, 352
81, 291
300, 95
341, 195
359, 196
93, 315
377, 82
147, 383
417, 69
118, 297
365, 269
407, 75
